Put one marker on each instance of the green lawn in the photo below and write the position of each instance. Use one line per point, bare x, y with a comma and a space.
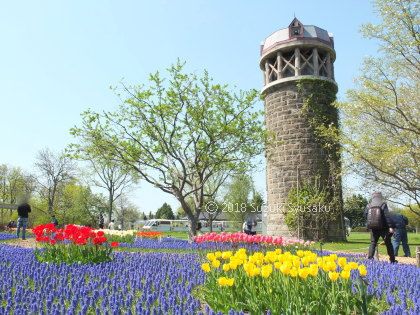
359, 242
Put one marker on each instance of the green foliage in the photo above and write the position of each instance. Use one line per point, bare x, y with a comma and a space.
310, 210
165, 212
73, 254
413, 218
381, 117
78, 204
241, 199
353, 209
178, 133
322, 115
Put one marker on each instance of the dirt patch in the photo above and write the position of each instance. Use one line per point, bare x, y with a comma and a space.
401, 260
28, 243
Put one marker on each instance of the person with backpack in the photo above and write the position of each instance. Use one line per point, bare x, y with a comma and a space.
400, 235
380, 222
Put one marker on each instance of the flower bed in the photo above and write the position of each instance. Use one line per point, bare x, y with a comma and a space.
149, 234
285, 283
72, 244
183, 245
152, 283
159, 283
242, 238
7, 236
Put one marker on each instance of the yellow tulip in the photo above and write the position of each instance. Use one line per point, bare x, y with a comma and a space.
210, 256
362, 270
215, 263
293, 272
313, 270
233, 265
218, 254
285, 269
266, 271
300, 253
296, 263
342, 261
277, 265
332, 266
256, 271
305, 261
345, 274
206, 267
333, 275
225, 282
353, 265
226, 255
226, 267
303, 273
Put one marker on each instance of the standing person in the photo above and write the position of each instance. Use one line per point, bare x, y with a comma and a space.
400, 235
111, 225
380, 222
23, 213
101, 221
54, 220
250, 225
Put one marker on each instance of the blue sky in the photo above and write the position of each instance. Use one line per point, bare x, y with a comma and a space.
58, 58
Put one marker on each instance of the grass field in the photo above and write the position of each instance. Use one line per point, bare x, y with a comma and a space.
359, 242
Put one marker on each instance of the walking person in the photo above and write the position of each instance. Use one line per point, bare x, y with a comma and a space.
380, 222
400, 235
22, 222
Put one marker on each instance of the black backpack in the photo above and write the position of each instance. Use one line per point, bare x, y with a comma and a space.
374, 218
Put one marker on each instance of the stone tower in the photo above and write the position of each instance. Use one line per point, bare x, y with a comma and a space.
299, 89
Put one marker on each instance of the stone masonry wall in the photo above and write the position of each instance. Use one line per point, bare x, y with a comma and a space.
294, 153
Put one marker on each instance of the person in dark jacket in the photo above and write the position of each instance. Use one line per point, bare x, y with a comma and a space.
400, 235
380, 222
54, 220
23, 213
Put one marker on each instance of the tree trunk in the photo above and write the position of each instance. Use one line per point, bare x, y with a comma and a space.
193, 225
110, 206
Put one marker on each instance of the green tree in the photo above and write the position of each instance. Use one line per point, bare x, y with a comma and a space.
165, 212
126, 213
381, 117
413, 218
77, 204
238, 198
179, 133
55, 170
354, 207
